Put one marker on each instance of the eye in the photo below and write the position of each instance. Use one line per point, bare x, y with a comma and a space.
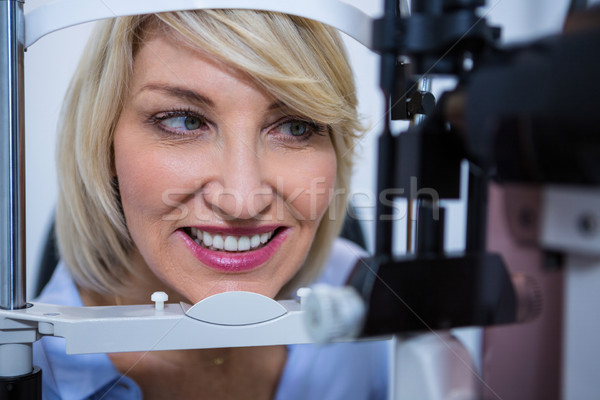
179, 123
295, 128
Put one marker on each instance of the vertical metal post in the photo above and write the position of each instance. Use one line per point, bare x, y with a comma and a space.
386, 148
12, 156
424, 85
15, 358
477, 206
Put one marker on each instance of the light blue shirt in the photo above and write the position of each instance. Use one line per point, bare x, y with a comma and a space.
341, 371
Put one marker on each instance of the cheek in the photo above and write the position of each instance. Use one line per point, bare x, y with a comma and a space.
154, 182
141, 182
309, 186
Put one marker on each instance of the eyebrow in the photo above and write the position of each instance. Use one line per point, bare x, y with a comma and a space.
276, 105
179, 92
191, 95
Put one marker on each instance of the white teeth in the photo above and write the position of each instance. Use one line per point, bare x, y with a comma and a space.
207, 239
217, 242
255, 241
243, 243
230, 242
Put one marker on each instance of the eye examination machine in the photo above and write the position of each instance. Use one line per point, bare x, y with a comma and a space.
514, 140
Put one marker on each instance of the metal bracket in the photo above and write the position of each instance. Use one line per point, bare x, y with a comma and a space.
246, 319
555, 217
571, 220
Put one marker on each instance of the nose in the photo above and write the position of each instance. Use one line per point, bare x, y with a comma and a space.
239, 189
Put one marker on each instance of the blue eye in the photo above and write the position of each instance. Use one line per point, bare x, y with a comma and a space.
189, 123
295, 128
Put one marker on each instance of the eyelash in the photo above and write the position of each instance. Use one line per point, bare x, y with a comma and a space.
158, 119
313, 128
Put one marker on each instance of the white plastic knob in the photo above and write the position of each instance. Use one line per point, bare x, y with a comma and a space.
303, 293
159, 299
333, 313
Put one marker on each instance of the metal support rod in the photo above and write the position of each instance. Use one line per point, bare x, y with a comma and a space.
12, 156
386, 149
430, 228
384, 222
476, 210
423, 85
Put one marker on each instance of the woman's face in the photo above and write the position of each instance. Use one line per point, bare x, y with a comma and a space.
222, 186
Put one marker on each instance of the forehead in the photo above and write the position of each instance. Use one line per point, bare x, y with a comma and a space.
167, 58
163, 66
168, 55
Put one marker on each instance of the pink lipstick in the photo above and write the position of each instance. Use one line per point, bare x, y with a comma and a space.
249, 257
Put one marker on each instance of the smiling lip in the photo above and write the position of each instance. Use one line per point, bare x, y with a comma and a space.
225, 261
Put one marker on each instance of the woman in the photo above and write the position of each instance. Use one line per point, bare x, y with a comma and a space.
203, 152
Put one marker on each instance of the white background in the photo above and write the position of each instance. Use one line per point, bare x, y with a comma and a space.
50, 62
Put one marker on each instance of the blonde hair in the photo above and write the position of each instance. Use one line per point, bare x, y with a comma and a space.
300, 62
